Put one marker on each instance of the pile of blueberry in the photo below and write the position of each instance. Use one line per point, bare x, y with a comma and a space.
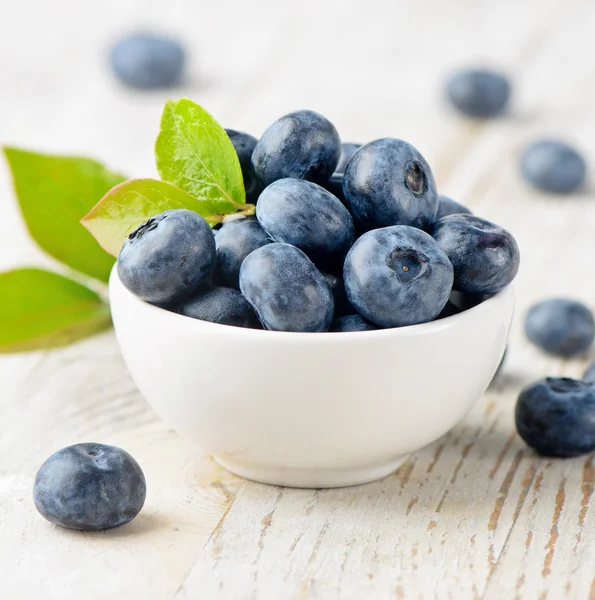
346, 238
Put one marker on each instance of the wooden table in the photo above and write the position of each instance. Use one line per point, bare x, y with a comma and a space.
474, 515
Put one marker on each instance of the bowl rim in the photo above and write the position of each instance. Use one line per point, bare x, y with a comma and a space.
420, 329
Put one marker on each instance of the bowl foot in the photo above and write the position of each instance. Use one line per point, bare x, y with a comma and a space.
312, 478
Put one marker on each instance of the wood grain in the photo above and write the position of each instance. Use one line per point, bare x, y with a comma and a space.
476, 514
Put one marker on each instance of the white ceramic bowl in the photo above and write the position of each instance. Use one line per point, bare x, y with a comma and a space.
310, 409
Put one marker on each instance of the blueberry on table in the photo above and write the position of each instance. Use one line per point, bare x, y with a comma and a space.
447, 206
148, 61
301, 145
589, 374
234, 241
89, 487
556, 417
553, 166
244, 145
167, 257
307, 216
485, 256
337, 285
397, 276
388, 182
220, 305
286, 290
560, 326
478, 92
351, 323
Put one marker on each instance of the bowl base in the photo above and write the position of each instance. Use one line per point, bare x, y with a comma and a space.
312, 478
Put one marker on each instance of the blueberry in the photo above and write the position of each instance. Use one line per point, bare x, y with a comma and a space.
244, 145
89, 487
589, 375
556, 417
388, 182
168, 256
307, 216
148, 61
478, 92
286, 290
485, 256
560, 326
397, 276
337, 285
301, 145
553, 166
352, 323
235, 240
447, 206
220, 305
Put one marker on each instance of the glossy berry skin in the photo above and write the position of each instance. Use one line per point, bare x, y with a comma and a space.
148, 61
447, 206
286, 290
167, 257
388, 182
478, 92
589, 375
89, 487
485, 256
244, 145
307, 216
234, 241
556, 417
220, 305
342, 304
300, 145
351, 323
553, 166
560, 326
397, 276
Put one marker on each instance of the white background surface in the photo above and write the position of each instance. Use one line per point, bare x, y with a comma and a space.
476, 515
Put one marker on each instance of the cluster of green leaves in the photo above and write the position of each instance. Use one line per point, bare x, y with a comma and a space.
200, 171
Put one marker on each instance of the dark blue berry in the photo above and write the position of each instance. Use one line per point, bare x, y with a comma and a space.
307, 216
560, 326
234, 241
168, 256
553, 166
244, 145
447, 206
556, 417
485, 256
388, 182
301, 145
352, 323
148, 61
220, 305
397, 276
286, 290
478, 92
89, 487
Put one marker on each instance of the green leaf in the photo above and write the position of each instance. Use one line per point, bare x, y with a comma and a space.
54, 193
195, 153
41, 310
131, 203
